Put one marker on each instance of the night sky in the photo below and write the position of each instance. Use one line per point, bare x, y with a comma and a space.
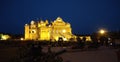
85, 16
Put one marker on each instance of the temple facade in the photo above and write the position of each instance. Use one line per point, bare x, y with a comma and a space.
43, 30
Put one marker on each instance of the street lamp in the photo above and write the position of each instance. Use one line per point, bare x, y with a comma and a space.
102, 31
103, 37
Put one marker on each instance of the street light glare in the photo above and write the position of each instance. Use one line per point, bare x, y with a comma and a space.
102, 31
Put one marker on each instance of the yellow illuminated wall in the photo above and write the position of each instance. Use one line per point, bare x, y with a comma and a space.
42, 30
27, 32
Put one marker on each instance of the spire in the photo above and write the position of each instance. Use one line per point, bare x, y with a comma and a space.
59, 19
46, 21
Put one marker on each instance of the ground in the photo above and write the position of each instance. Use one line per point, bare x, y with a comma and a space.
102, 54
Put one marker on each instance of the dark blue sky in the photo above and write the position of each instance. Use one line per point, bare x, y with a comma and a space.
85, 16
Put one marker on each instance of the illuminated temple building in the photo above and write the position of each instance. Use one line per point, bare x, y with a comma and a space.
43, 30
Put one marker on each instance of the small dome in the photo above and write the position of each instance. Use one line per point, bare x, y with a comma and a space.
26, 24
59, 19
32, 22
41, 21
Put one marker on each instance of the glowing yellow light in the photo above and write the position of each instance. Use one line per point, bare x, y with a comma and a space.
21, 38
63, 31
5, 37
26, 24
32, 22
64, 39
102, 31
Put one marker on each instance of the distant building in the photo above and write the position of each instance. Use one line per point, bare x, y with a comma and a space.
87, 37
42, 30
4, 37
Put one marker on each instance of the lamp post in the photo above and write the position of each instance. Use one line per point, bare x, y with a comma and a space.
103, 37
